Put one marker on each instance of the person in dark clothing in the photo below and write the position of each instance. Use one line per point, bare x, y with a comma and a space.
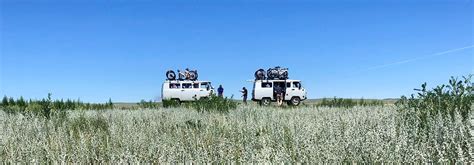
220, 91
244, 95
279, 94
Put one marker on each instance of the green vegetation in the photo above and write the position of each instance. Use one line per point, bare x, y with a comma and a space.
214, 104
211, 104
433, 126
446, 99
149, 104
450, 103
47, 107
348, 103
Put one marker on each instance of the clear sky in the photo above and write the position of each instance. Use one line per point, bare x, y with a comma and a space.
96, 50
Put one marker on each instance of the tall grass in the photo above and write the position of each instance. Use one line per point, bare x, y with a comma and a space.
248, 134
348, 103
211, 104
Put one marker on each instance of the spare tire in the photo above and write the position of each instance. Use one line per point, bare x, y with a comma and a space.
272, 73
284, 75
193, 75
260, 74
170, 75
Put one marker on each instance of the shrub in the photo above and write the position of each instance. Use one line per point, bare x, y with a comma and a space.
170, 103
148, 104
447, 99
214, 104
45, 107
448, 104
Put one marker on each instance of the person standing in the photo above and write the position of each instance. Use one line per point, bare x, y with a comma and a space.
244, 95
220, 91
279, 94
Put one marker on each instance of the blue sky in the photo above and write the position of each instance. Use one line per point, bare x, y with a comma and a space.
95, 50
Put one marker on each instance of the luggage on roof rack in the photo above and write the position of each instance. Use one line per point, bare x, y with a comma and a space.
276, 73
186, 75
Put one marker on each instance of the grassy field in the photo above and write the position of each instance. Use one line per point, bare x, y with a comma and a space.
247, 134
308, 102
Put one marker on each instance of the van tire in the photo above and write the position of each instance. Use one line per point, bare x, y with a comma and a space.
295, 101
260, 74
193, 75
170, 75
265, 102
177, 101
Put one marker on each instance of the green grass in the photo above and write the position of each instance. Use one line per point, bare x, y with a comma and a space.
247, 134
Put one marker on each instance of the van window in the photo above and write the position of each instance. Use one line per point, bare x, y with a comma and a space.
266, 85
204, 85
288, 85
296, 84
174, 85
196, 85
186, 85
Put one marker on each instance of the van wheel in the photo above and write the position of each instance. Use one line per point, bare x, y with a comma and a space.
295, 101
260, 74
176, 101
265, 102
170, 75
193, 75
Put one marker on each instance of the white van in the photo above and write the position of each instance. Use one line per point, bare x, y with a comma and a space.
263, 91
186, 90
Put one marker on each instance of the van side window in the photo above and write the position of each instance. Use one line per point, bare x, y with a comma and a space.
288, 85
266, 85
174, 85
186, 85
296, 84
204, 85
196, 85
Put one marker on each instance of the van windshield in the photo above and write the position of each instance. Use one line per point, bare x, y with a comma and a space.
206, 85
210, 85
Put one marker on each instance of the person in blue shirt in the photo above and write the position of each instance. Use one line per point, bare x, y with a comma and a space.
220, 91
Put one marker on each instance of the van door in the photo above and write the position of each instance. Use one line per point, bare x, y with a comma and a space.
172, 91
293, 88
204, 89
282, 85
187, 92
197, 91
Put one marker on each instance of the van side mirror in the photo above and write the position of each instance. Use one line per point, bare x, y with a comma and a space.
299, 87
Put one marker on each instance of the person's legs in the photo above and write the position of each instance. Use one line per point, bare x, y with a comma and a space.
282, 98
245, 100
279, 99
